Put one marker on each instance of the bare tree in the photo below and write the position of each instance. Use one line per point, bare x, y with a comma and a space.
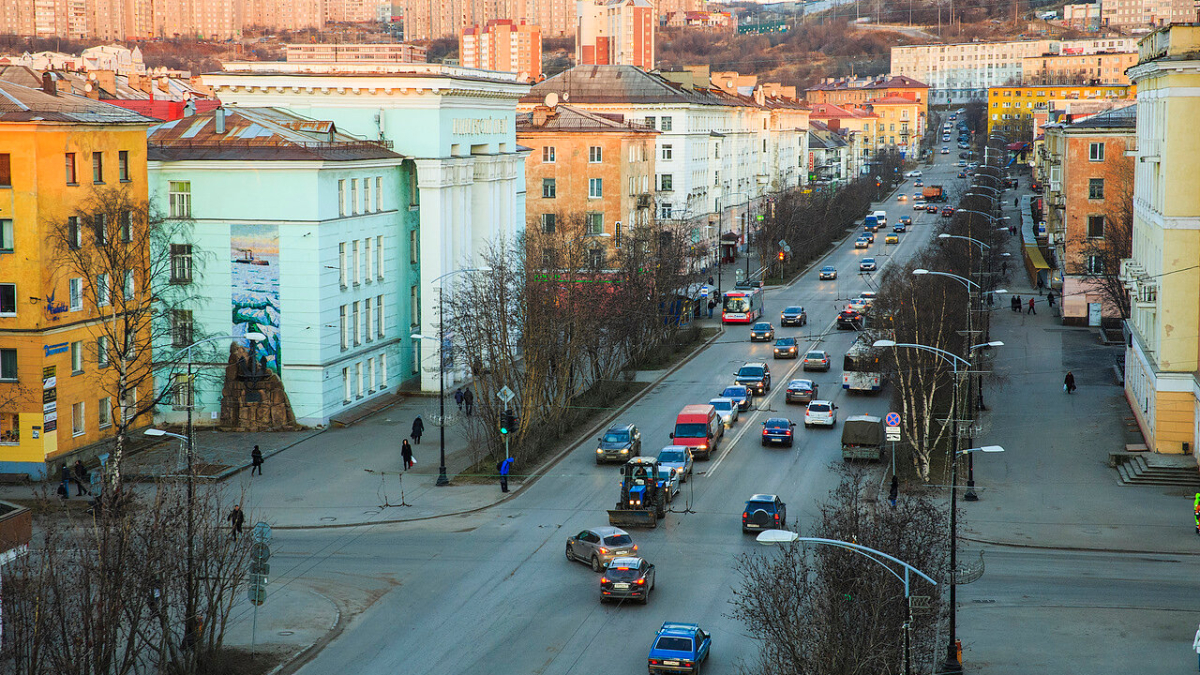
1099, 253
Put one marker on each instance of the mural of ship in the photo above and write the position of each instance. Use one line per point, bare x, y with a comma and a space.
247, 258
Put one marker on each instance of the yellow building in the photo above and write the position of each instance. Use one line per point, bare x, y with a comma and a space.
56, 151
1163, 274
1012, 110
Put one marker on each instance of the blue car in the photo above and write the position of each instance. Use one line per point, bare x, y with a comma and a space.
740, 394
679, 648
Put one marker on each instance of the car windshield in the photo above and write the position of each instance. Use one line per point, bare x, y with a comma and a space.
785, 342
827, 268
616, 437
691, 430
818, 407
793, 310
734, 392
622, 573
721, 405
815, 355
750, 371
673, 644
618, 540
762, 326
869, 261
673, 456
751, 507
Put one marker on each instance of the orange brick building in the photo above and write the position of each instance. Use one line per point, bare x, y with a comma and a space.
504, 45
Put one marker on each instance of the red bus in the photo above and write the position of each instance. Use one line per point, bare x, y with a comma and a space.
742, 306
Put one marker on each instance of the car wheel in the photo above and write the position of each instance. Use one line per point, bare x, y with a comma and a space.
570, 555
596, 567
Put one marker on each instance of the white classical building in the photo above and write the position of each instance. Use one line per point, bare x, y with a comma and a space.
457, 124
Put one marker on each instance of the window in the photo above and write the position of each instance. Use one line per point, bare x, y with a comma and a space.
102, 351
1096, 227
77, 424
356, 263
596, 255
414, 248
379, 257
6, 236
413, 200
379, 193
126, 226
74, 236
358, 377
8, 299
716, 178
414, 303
547, 154
345, 385
1095, 188
665, 182
353, 196
370, 243
181, 392
368, 310
664, 211
181, 327
595, 188
548, 189
379, 314
650, 122
98, 168
595, 154
383, 370
342, 273
75, 293
129, 290
667, 152
1095, 264
666, 124
5, 170
1095, 152
179, 195
367, 195
595, 223
341, 197
123, 166
104, 409
76, 357
103, 290
371, 375
70, 157
357, 316
344, 326
8, 364
100, 228
548, 223
181, 263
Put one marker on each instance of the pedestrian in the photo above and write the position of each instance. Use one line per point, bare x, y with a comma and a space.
418, 429
1031, 310
1050, 297
236, 519
81, 479
256, 461
406, 455
65, 492
1197, 508
458, 398
1016, 202
1017, 309
1041, 284
504, 467
712, 304
469, 401
1004, 268
1069, 383
1014, 303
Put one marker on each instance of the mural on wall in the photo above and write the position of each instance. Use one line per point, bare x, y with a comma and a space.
255, 292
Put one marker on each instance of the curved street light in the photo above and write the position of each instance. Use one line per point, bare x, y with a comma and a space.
967, 282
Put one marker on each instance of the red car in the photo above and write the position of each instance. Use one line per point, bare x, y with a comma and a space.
947, 211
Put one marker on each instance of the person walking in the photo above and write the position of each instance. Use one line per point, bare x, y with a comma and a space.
1041, 284
469, 401
418, 428
1196, 506
65, 491
236, 519
1031, 309
458, 398
712, 304
256, 461
504, 467
1017, 309
1014, 303
406, 454
1050, 297
1069, 383
81, 479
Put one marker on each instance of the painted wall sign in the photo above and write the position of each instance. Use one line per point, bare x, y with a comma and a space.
485, 125
255, 287
59, 348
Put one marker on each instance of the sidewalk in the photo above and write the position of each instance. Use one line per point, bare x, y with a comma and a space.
1052, 486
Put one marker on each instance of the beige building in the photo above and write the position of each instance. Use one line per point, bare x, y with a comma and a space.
1082, 16
430, 19
1145, 13
1102, 68
504, 45
616, 33
390, 52
285, 14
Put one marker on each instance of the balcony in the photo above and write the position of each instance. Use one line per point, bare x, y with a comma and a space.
644, 201
1143, 288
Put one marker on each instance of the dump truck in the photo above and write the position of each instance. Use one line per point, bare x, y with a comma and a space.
862, 438
643, 496
933, 193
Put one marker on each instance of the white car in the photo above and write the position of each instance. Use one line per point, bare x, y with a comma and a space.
670, 479
869, 297
915, 173
858, 304
821, 413
727, 410
919, 205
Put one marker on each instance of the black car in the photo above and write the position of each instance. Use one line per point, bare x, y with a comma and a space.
762, 331
849, 319
764, 512
627, 578
778, 430
793, 316
785, 348
741, 394
619, 443
756, 376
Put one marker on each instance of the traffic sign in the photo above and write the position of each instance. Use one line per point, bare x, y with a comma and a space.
892, 419
258, 567
704, 291
256, 594
261, 532
260, 552
892, 435
505, 394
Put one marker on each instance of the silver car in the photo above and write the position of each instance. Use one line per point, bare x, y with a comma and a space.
679, 458
727, 409
600, 546
669, 481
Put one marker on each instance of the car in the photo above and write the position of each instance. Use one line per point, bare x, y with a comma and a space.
954, 117
919, 205
869, 297
816, 359
778, 430
905, 221
668, 482
963, 146
619, 443
945, 138
918, 195
901, 197
892, 238
862, 242
945, 149
827, 272
628, 578
801, 391
762, 331
947, 211
961, 162
742, 395
756, 376
678, 457
821, 413
931, 208
919, 183
785, 348
849, 319
793, 316
962, 174
915, 173
598, 546
869, 236
679, 648
867, 265
764, 512
857, 304
973, 165
727, 410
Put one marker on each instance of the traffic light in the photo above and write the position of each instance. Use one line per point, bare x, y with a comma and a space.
781, 256
508, 422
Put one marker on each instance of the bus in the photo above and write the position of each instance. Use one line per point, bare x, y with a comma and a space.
863, 367
743, 305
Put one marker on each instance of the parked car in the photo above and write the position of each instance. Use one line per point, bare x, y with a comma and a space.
862, 242
627, 578
727, 409
801, 391
619, 443
762, 331
867, 264
679, 648
678, 457
764, 512
741, 395
599, 546
821, 413
785, 348
827, 272
892, 239
915, 173
778, 430
849, 319
793, 316
816, 359
756, 376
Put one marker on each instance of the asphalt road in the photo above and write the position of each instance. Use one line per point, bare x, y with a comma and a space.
493, 593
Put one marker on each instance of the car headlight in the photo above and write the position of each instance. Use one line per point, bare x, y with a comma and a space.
599, 451
624, 450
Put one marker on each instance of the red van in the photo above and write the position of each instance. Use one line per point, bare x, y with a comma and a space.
698, 427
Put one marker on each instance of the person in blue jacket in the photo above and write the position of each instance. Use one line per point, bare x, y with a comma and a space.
504, 467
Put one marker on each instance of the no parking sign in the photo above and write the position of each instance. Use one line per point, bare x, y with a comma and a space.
892, 430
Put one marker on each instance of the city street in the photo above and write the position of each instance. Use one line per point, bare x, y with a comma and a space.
492, 591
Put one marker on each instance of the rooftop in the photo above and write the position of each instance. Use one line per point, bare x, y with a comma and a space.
19, 103
569, 118
1117, 118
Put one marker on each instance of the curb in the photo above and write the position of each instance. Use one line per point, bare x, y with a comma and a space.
1075, 549
302, 657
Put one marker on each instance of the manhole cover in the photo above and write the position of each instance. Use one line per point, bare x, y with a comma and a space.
286, 633
328, 519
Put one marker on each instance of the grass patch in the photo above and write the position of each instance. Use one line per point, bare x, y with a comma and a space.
245, 661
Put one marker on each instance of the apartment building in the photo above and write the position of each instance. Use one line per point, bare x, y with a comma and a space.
829, 155
388, 52
504, 45
857, 127
1162, 356
285, 14
1014, 110
1082, 16
899, 103
1099, 68
1145, 14
616, 33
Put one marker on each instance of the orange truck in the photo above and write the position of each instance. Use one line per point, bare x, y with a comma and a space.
699, 427
933, 193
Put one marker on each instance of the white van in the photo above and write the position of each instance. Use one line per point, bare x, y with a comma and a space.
881, 217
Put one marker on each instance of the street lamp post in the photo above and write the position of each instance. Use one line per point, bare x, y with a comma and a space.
745, 228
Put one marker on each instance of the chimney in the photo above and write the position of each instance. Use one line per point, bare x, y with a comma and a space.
219, 120
50, 83
541, 114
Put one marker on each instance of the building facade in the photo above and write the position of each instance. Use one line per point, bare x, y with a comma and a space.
319, 268
1099, 68
1011, 110
59, 154
1163, 353
504, 45
1144, 14
616, 33
1082, 16
470, 173
388, 52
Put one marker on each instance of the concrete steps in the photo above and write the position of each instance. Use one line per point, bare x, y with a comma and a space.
1158, 470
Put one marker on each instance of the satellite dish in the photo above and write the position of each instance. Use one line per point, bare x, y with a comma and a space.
566, 97
87, 87
551, 100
